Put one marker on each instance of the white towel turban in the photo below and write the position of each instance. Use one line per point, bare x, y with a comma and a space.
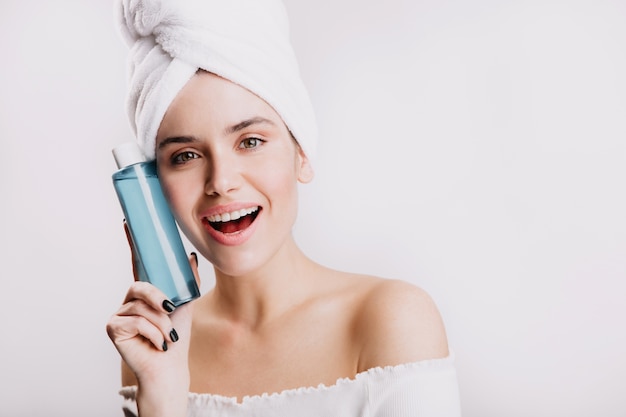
244, 41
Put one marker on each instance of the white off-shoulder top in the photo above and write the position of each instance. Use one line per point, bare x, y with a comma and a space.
421, 389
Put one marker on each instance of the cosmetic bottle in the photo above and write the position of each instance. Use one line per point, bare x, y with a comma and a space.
161, 258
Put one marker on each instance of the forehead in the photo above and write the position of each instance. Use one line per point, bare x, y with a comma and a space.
209, 101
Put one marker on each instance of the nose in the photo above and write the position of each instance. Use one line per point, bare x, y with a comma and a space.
222, 177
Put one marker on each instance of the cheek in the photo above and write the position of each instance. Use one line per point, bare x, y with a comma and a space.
280, 174
178, 192
282, 186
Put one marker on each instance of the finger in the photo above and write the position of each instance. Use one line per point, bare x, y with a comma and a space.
193, 261
150, 295
158, 319
133, 252
123, 328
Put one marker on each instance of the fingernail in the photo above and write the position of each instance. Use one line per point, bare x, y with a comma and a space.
168, 306
195, 257
174, 335
164, 346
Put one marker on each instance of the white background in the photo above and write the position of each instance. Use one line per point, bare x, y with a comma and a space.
475, 148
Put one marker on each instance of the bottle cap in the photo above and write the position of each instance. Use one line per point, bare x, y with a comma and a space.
128, 154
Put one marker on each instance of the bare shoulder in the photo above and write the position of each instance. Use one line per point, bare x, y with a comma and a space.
397, 322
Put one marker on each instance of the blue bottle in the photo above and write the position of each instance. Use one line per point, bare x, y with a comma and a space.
159, 251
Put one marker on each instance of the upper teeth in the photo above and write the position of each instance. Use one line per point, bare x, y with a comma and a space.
233, 215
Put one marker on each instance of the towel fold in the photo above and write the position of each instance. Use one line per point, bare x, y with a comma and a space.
244, 41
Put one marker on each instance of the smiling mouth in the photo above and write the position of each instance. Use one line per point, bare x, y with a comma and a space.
234, 221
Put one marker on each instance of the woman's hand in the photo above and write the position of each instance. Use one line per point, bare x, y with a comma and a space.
153, 339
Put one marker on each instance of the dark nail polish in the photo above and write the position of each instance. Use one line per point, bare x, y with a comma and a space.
168, 306
195, 257
164, 346
174, 335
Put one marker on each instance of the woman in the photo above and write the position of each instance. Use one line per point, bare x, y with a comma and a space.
216, 99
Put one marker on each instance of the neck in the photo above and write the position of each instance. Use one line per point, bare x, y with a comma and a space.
264, 294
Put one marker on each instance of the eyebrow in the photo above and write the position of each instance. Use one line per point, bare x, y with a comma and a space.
177, 139
245, 123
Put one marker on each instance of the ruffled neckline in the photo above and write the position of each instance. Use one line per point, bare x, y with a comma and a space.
249, 400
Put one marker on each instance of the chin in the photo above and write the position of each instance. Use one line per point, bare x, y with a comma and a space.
236, 263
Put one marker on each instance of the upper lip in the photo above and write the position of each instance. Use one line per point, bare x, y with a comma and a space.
234, 210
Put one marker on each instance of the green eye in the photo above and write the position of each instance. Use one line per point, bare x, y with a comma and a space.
183, 157
250, 143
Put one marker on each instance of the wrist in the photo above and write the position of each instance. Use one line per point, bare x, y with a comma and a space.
163, 398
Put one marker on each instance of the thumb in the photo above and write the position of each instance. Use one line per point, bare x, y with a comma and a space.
133, 252
193, 261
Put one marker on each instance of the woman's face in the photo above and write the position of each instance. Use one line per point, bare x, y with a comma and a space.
229, 169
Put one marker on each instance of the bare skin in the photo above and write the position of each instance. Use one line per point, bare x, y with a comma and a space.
275, 319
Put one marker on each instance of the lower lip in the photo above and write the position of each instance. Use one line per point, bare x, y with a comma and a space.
231, 239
